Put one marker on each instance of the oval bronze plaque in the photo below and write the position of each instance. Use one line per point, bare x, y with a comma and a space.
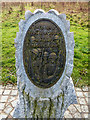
44, 53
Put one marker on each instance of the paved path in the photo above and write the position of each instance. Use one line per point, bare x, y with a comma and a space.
9, 97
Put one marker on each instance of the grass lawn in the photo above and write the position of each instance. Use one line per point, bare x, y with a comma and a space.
79, 25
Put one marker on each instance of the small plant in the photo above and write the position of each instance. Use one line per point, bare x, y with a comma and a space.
22, 8
10, 10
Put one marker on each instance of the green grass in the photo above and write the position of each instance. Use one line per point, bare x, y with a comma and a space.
10, 27
80, 71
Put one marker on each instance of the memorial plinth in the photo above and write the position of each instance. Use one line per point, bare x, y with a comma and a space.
44, 63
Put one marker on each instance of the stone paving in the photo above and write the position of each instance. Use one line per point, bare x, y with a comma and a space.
9, 98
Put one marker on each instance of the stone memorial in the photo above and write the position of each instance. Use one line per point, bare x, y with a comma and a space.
44, 63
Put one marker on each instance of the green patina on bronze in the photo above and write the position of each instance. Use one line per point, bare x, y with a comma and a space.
44, 53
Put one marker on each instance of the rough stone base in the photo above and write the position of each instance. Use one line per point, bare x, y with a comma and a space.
29, 107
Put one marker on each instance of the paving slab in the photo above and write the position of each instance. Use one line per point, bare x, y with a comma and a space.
67, 114
4, 99
3, 115
2, 105
78, 107
77, 115
8, 109
6, 92
14, 92
86, 94
85, 89
79, 94
84, 108
72, 109
78, 89
85, 115
1, 91
81, 101
9, 98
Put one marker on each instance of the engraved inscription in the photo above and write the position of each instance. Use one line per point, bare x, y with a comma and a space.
44, 53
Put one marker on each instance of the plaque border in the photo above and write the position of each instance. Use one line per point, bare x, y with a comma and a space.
50, 85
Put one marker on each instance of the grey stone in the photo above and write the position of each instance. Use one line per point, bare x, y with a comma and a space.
21, 24
38, 102
28, 14
52, 11
38, 11
62, 16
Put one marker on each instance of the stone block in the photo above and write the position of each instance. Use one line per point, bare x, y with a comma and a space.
2, 106
14, 92
79, 94
84, 108
82, 101
6, 92
3, 99
8, 109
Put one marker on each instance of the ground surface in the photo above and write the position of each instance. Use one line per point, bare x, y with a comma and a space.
9, 98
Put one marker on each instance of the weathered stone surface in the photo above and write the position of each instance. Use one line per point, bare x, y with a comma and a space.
52, 11
62, 16
28, 14
45, 107
36, 102
39, 11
